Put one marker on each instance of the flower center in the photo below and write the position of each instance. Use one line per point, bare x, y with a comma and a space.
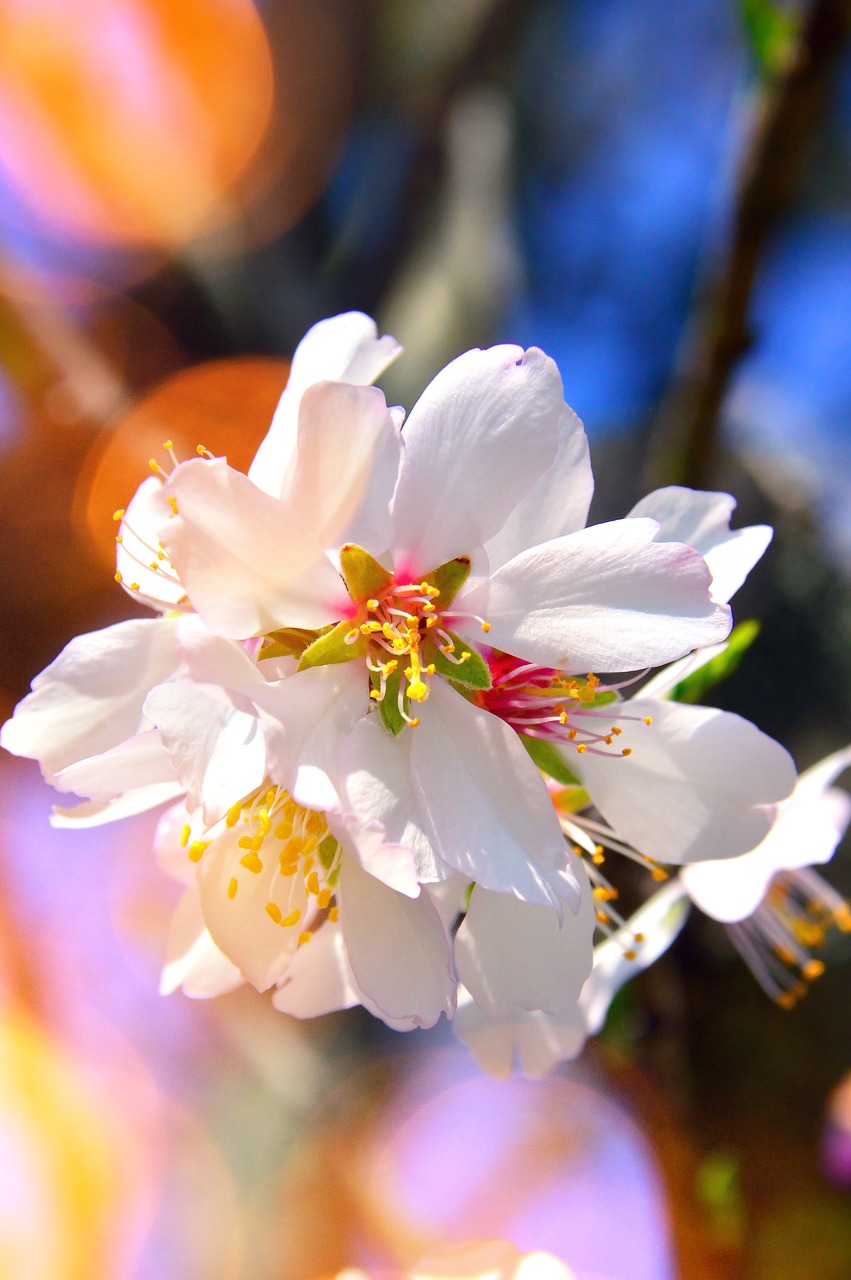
292, 845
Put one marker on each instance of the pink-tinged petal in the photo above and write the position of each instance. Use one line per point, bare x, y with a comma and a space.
319, 979
170, 848
139, 548
141, 761
512, 955
305, 718
477, 440
621, 957
399, 952
702, 520
344, 348
608, 598
380, 791
246, 560
217, 751
346, 465
808, 828
530, 1042
557, 504
212, 659
485, 807
700, 783
97, 813
90, 698
193, 961
489, 1260
240, 925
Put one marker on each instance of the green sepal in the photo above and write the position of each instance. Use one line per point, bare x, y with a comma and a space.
571, 799
365, 577
549, 759
448, 579
288, 642
771, 32
388, 707
472, 674
602, 699
332, 647
694, 686
327, 852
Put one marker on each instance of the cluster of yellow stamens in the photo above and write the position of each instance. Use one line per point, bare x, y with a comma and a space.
277, 833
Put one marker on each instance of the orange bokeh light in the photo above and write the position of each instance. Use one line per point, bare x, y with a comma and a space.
226, 405
128, 121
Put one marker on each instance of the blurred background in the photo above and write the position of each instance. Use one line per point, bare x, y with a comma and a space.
184, 189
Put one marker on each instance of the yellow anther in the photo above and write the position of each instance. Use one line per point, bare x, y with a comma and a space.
251, 863
292, 918
323, 897
134, 586
233, 814
313, 883
390, 666
153, 565
119, 538
304, 937
263, 822
449, 647
372, 603
202, 451
308, 865
288, 868
418, 690
430, 669
626, 751
465, 655
659, 874
786, 1000
414, 722
168, 444
161, 555
186, 832
562, 717
333, 914
273, 911
155, 466
598, 859
119, 578
602, 916
629, 955
608, 739
232, 888
375, 694
581, 749
119, 514
254, 843
639, 937
616, 731
648, 719
293, 848
486, 626
197, 849
813, 969
172, 502
432, 621
428, 607
571, 736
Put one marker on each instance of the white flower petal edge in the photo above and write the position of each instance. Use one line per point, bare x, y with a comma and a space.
701, 783
90, 698
345, 348
482, 433
193, 963
320, 978
608, 598
702, 520
809, 826
509, 954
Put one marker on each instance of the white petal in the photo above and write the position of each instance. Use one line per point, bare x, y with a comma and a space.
247, 562
193, 961
212, 659
319, 979
557, 504
346, 465
97, 813
379, 790
510, 954
138, 549
485, 807
217, 751
305, 718
808, 828
608, 598
621, 957
661, 684
90, 698
532, 1042
241, 926
345, 348
702, 520
141, 761
392, 864
700, 783
477, 440
400, 955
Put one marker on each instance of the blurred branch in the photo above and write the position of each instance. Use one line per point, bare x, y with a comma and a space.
684, 445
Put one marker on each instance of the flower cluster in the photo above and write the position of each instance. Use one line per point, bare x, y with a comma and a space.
386, 695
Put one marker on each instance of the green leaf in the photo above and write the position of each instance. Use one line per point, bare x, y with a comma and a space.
365, 577
694, 686
448, 579
771, 32
549, 759
332, 647
472, 673
394, 722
